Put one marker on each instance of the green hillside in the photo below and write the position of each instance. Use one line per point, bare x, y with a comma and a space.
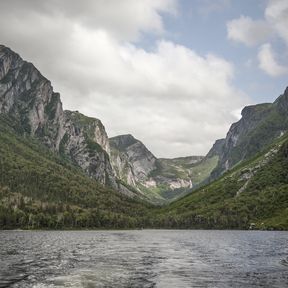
256, 191
259, 126
40, 189
194, 168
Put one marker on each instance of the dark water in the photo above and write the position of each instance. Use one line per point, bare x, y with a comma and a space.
147, 258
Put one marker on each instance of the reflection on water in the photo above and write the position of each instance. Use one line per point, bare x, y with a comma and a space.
146, 258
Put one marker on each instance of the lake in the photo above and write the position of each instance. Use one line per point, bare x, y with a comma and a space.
143, 258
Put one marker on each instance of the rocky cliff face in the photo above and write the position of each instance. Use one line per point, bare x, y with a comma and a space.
28, 98
259, 126
134, 164
85, 141
217, 148
131, 160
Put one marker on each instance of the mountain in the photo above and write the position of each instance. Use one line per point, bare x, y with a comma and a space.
252, 195
160, 179
41, 189
131, 160
28, 98
259, 126
59, 169
250, 187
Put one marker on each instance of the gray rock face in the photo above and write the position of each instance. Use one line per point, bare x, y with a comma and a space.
217, 148
131, 159
259, 126
85, 141
28, 98
134, 164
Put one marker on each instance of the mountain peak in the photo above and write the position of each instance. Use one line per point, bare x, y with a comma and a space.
122, 142
282, 102
28, 98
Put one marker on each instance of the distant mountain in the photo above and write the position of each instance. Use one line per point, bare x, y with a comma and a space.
252, 195
59, 169
160, 179
131, 159
55, 165
27, 97
249, 186
41, 189
259, 126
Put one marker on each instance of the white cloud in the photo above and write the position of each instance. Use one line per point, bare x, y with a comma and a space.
124, 19
248, 31
254, 32
268, 63
173, 99
276, 14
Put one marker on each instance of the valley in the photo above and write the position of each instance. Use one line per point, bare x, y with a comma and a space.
59, 169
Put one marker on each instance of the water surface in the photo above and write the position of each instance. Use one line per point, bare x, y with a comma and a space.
146, 258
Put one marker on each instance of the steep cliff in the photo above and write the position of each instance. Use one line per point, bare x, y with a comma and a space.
259, 126
160, 179
28, 98
85, 141
131, 160
41, 190
251, 195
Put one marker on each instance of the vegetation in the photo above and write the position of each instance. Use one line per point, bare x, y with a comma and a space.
39, 189
262, 124
254, 192
194, 168
202, 170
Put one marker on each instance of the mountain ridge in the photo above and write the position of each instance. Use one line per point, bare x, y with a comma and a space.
243, 178
258, 127
28, 97
160, 178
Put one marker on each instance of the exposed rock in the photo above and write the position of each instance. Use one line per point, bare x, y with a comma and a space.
138, 160
247, 173
259, 126
28, 98
134, 164
131, 160
87, 144
217, 148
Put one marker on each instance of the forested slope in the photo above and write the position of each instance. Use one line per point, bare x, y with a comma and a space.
38, 189
254, 192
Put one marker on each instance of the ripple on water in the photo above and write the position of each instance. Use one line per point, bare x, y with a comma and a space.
144, 258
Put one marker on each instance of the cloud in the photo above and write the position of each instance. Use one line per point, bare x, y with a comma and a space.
255, 32
248, 31
268, 63
124, 19
276, 14
174, 100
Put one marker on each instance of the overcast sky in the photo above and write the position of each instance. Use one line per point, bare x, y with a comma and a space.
175, 74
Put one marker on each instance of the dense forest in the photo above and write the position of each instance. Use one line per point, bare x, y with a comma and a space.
251, 195
39, 189
53, 161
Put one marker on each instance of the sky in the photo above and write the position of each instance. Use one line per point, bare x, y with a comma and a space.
173, 73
